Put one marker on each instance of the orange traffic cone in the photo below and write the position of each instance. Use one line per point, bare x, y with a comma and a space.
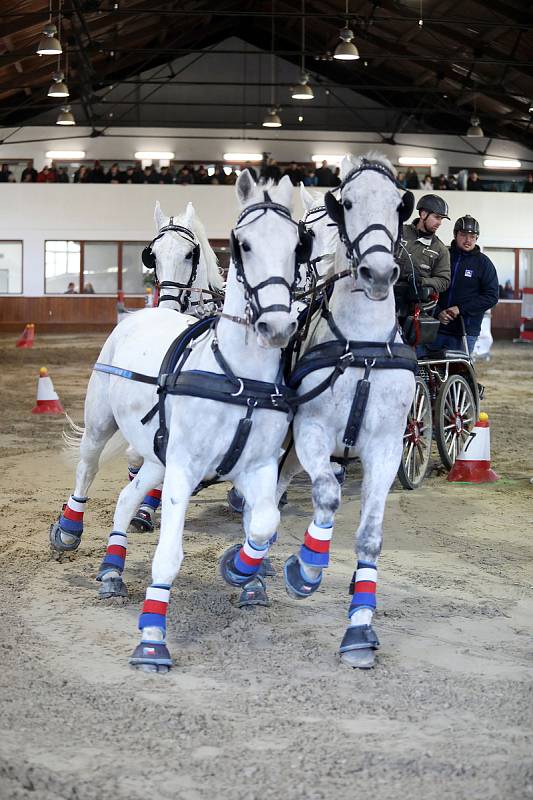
472, 465
28, 336
47, 399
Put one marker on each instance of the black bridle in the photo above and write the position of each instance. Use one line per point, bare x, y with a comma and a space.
336, 211
150, 262
254, 309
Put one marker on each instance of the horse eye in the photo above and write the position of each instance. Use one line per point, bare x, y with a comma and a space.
347, 204
189, 255
246, 247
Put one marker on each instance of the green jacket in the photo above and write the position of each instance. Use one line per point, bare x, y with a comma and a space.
429, 256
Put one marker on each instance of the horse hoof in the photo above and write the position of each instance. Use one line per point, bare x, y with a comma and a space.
358, 646
63, 541
359, 659
283, 500
227, 567
267, 569
142, 522
341, 476
235, 500
151, 657
296, 585
253, 594
112, 587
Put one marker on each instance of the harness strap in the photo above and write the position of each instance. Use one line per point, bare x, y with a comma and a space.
237, 445
358, 408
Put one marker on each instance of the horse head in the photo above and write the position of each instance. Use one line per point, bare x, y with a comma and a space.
324, 234
264, 243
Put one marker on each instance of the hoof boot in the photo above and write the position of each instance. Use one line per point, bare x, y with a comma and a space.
151, 657
142, 521
358, 647
235, 500
56, 539
267, 569
341, 476
253, 594
227, 567
112, 587
295, 583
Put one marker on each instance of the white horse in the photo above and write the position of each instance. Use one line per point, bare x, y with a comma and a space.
231, 424
358, 355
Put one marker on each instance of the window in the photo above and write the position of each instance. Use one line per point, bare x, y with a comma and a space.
61, 266
133, 270
503, 259
10, 267
100, 267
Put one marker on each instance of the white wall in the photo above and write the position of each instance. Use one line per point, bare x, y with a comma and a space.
35, 212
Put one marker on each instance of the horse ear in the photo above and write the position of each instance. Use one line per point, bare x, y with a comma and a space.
334, 208
245, 186
346, 165
190, 214
286, 188
159, 217
306, 198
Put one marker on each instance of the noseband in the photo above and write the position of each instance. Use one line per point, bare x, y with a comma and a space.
149, 260
254, 309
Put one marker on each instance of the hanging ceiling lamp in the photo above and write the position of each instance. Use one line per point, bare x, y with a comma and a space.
474, 129
49, 44
303, 91
58, 88
66, 117
346, 50
272, 118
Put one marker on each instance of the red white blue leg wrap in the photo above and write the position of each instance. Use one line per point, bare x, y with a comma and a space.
250, 557
71, 519
153, 499
315, 549
363, 587
132, 472
154, 611
115, 557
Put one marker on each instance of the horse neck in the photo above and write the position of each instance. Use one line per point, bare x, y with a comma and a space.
238, 343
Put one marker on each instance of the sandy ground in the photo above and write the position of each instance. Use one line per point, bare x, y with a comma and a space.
257, 705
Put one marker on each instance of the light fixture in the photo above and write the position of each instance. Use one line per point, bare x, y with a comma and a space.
49, 44
148, 155
303, 91
66, 117
65, 155
530, 109
58, 88
242, 157
346, 50
331, 159
474, 130
417, 161
272, 119
502, 163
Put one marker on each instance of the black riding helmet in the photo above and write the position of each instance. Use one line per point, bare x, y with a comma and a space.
433, 204
466, 224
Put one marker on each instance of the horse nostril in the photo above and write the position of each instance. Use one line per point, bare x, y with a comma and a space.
395, 274
291, 330
365, 273
263, 329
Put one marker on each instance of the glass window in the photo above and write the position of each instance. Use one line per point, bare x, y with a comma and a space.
62, 267
133, 270
525, 275
10, 267
503, 260
100, 267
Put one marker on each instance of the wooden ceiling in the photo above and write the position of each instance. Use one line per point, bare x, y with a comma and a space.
467, 54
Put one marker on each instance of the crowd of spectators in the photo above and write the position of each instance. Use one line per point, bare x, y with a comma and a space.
324, 175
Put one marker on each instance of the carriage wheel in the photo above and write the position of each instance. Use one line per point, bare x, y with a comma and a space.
455, 416
417, 439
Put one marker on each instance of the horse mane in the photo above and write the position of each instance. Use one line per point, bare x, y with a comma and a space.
257, 195
214, 276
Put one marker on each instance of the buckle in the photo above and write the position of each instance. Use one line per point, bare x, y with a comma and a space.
274, 398
345, 360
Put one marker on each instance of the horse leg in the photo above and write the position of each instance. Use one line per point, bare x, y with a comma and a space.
303, 572
290, 466
112, 566
244, 565
143, 520
65, 534
151, 654
360, 642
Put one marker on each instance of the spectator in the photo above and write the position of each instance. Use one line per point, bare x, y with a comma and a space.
128, 175
271, 172
137, 174
295, 173
62, 175
528, 186
442, 183
453, 186
97, 174
46, 175
473, 183
219, 176
201, 176
337, 176
81, 175
88, 288
185, 176
427, 183
251, 170
165, 175
6, 176
508, 291
113, 174
324, 175
71, 289
400, 177
231, 179
411, 179
310, 178
151, 175
29, 174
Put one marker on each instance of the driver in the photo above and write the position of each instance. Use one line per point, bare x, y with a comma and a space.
423, 259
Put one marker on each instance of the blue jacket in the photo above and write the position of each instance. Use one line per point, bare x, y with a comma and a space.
473, 288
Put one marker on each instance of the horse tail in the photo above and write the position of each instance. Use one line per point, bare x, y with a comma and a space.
72, 438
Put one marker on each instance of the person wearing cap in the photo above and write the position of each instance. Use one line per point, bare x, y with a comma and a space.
422, 257
473, 289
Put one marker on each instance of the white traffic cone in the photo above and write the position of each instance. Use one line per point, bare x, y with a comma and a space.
472, 465
47, 398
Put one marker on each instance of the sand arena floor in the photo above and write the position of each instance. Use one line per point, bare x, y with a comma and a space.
257, 705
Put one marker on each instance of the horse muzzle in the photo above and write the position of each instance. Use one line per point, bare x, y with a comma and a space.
274, 329
376, 283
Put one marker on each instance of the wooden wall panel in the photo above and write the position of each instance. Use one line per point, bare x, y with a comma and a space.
56, 314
